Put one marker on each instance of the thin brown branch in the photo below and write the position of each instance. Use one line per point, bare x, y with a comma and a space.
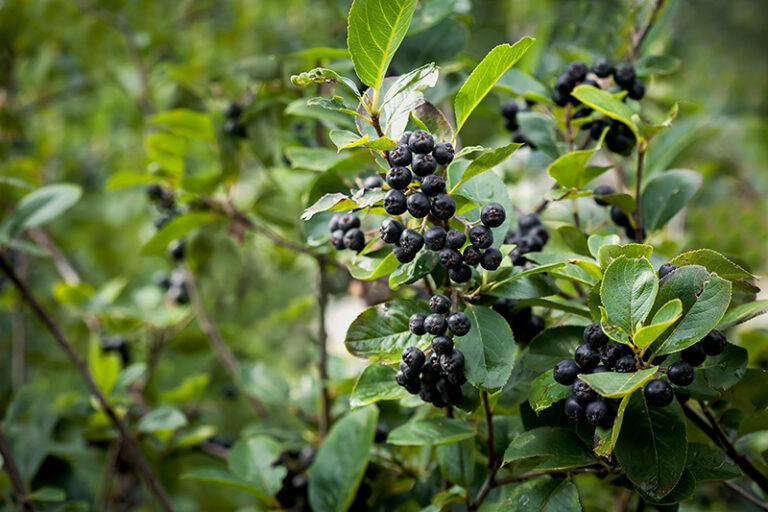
82, 367
18, 347
110, 468
639, 38
762, 505
322, 346
10, 466
489, 429
218, 344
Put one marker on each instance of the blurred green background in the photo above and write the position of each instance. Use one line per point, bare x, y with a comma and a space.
80, 79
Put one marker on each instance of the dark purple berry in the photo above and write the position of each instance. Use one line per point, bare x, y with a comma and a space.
399, 178
391, 230
349, 221
472, 255
565, 372
602, 68
637, 90
421, 142
586, 357
402, 255
714, 343
443, 153
335, 223
460, 274
416, 324
411, 241
666, 269
439, 304
432, 184
594, 335
528, 222
573, 409
453, 362
354, 239
619, 217
400, 156
423, 165
372, 182
603, 190
658, 393
414, 357
577, 71
694, 355
404, 137
583, 392
434, 238
435, 324
626, 364
491, 259
598, 413
493, 215
337, 239
480, 236
442, 345
459, 324
681, 373
418, 205
449, 258
443, 207
624, 76
455, 239
395, 203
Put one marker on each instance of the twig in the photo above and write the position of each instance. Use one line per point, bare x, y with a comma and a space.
109, 472
713, 430
322, 341
428, 286
218, 344
130, 443
638, 180
10, 466
493, 465
746, 495
18, 349
639, 38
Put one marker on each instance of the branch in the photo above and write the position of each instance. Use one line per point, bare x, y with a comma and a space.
493, 467
218, 344
638, 40
9, 464
130, 443
746, 495
638, 180
322, 339
715, 432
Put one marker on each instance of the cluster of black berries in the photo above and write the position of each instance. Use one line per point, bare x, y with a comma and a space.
530, 237
428, 198
118, 344
623, 221
233, 125
524, 324
175, 283
294, 492
509, 112
346, 232
437, 380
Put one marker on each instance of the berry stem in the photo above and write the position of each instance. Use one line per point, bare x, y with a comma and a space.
10, 466
132, 447
638, 182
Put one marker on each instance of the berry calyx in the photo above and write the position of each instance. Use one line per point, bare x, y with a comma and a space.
582, 391
472, 255
626, 364
411, 241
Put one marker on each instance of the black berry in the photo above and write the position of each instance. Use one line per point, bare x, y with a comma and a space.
423, 165
624, 76
491, 259
400, 155
453, 362
455, 239
432, 184
421, 141
402, 255
404, 137
603, 190
619, 217
565, 372
414, 357
694, 355
598, 413
586, 357
620, 138
472, 255
449, 258
480, 236
443, 153
493, 215
681, 373
573, 409
666, 269
577, 71
434, 238
411, 241
509, 109
583, 392
460, 274
658, 393
416, 324
528, 222
439, 304
442, 345
391, 230
354, 239
626, 364
459, 324
602, 68
395, 202
418, 205
637, 90
349, 221
435, 324
177, 249
594, 335
443, 207
335, 222
372, 182
399, 178
714, 343
337, 239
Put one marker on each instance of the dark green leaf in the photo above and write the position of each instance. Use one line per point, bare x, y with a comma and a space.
709, 463
554, 448
628, 291
380, 333
720, 265
430, 432
545, 391
617, 385
457, 464
377, 382
665, 194
656, 65
186, 123
552, 346
575, 239
743, 313
543, 494
724, 371
408, 273
221, 477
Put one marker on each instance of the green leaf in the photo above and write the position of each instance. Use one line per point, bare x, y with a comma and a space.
576, 240
609, 252
221, 477
554, 448
652, 446
376, 382
123, 179
41, 206
375, 30
457, 464
607, 104
167, 150
335, 202
725, 370
552, 346
380, 333
617, 385
489, 349
743, 313
335, 104
709, 463
163, 418
322, 76
314, 159
253, 460
264, 382
590, 267
628, 290
665, 194
656, 65
47, 495
666, 316
571, 171
605, 439
485, 75
341, 460
543, 494
545, 391
541, 131
177, 228
425, 262
611, 330
189, 389
186, 123
430, 432
569, 272
104, 366
485, 161
417, 80
344, 139
720, 265
435, 121
701, 313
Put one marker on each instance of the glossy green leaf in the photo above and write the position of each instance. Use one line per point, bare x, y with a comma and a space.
628, 291
710, 463
571, 171
335, 202
545, 391
489, 349
606, 438
617, 385
457, 464
175, 229
551, 346
542, 494
484, 77
340, 462
604, 102
609, 252
374, 265
485, 161
554, 448
408, 273
380, 333
344, 139
720, 265
665, 194
541, 131
723, 371
430, 432
376, 382
664, 317
652, 446
375, 30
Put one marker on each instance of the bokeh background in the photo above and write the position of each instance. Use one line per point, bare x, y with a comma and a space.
79, 80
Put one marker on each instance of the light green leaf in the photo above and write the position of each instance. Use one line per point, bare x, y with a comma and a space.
545, 391
628, 291
574, 238
377, 382
105, 367
221, 477
417, 80
592, 268
486, 161
605, 438
177, 228
163, 418
609, 252
666, 316
484, 77
253, 460
375, 30
430, 432
424, 263
47, 495
570, 170
617, 385
41, 206
604, 102
595, 242
743, 313
344, 139
186, 123
720, 265
656, 65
